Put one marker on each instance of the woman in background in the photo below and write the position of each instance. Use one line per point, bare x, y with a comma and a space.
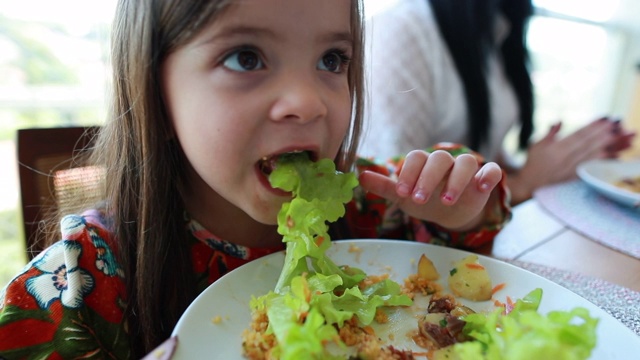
458, 71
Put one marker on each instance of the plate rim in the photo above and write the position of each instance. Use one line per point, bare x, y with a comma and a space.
585, 173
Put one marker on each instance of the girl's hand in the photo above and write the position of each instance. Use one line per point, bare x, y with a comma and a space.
439, 188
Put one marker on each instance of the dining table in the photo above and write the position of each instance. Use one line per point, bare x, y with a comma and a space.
577, 238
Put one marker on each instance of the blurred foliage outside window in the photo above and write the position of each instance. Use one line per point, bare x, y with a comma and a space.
51, 75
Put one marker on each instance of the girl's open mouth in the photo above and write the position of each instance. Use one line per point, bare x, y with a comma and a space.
267, 164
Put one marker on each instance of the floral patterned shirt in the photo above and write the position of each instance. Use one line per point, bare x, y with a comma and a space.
68, 301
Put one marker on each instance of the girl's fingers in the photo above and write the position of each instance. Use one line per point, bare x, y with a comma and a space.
379, 184
411, 169
464, 168
433, 171
488, 177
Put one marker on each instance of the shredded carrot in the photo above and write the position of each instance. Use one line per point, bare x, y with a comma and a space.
474, 266
509, 301
319, 240
498, 288
303, 316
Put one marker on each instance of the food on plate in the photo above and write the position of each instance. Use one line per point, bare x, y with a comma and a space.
629, 183
314, 297
320, 310
470, 280
521, 332
426, 269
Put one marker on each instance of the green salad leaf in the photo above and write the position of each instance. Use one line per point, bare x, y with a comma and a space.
524, 333
313, 293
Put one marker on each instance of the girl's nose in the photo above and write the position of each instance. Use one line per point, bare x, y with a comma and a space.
299, 99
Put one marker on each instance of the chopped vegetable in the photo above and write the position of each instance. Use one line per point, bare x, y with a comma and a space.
313, 293
470, 280
524, 333
426, 269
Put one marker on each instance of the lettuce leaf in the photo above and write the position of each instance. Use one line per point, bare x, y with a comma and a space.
524, 333
313, 293
319, 194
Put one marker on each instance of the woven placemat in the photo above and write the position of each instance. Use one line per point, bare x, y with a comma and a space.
589, 213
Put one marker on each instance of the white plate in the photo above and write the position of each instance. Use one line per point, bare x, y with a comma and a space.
601, 174
199, 337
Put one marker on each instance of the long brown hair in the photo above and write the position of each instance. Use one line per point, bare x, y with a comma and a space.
144, 164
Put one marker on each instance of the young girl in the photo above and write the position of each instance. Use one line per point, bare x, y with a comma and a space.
205, 94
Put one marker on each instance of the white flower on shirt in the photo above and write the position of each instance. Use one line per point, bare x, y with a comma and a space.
61, 277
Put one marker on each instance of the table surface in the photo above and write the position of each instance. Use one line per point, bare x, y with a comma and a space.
537, 237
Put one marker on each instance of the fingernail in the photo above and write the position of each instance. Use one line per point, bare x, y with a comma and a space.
403, 190
448, 197
484, 186
420, 196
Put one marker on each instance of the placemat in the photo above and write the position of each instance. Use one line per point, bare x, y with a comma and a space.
620, 302
595, 216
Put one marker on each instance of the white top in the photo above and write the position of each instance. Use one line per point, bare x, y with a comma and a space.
416, 98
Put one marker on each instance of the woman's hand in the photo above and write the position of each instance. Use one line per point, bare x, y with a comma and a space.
552, 160
439, 188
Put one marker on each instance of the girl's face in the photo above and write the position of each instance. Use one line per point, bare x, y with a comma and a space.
267, 77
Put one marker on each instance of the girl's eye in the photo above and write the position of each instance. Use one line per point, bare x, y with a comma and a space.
243, 60
335, 61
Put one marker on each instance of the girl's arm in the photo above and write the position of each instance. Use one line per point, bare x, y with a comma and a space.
68, 301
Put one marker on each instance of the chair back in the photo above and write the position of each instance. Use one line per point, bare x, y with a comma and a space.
53, 176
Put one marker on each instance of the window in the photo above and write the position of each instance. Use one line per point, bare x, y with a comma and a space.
577, 53
575, 73
582, 63
53, 72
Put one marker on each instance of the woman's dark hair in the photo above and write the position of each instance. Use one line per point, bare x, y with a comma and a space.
467, 27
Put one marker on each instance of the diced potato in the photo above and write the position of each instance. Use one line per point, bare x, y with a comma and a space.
426, 270
445, 353
470, 280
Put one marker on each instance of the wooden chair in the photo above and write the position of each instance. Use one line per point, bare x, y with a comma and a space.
51, 173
